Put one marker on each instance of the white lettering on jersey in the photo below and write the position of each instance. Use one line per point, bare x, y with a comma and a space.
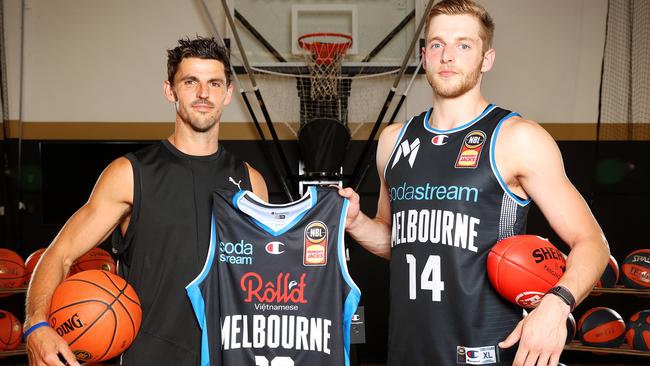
435, 227
405, 149
273, 331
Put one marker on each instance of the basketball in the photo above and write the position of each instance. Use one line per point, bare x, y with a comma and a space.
609, 278
97, 313
601, 327
636, 269
12, 269
96, 258
11, 332
570, 329
638, 331
30, 264
522, 268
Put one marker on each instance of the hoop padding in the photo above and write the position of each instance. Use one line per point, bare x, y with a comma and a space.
324, 60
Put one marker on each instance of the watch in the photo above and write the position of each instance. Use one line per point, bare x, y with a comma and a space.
564, 294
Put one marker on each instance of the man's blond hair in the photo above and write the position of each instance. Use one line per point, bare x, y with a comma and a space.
462, 7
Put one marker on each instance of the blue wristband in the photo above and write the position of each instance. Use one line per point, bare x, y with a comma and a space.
33, 328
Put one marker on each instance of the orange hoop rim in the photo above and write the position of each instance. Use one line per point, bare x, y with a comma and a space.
329, 49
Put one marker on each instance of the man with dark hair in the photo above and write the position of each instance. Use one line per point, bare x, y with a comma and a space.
160, 199
454, 181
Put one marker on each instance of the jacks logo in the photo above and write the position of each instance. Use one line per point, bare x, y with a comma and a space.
439, 140
470, 151
69, 325
315, 247
405, 149
274, 247
283, 290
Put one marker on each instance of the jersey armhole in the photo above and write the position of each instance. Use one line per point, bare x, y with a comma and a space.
352, 299
120, 246
493, 164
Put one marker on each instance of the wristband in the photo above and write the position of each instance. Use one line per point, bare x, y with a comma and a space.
564, 294
33, 328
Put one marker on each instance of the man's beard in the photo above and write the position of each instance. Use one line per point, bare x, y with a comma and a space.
201, 123
466, 84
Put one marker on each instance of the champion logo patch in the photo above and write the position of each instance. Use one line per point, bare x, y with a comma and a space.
407, 149
440, 140
274, 247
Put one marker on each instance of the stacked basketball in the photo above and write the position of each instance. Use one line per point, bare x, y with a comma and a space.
97, 313
10, 331
31, 262
636, 270
601, 327
12, 270
96, 258
638, 331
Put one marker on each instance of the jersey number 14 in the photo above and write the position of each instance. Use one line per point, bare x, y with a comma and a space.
429, 278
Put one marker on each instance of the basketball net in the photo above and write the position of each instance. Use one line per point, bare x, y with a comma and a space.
323, 57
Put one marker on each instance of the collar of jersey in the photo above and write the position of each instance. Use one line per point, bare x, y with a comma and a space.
487, 110
258, 210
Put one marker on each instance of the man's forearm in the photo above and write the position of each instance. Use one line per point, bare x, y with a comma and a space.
585, 265
46, 278
372, 234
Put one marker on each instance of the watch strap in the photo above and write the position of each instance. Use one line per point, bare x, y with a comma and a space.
564, 294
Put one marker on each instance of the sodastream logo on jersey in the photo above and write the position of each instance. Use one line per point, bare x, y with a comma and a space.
236, 253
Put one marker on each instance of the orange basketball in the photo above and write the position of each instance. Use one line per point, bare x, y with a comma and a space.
30, 263
638, 331
635, 270
609, 278
97, 313
522, 268
11, 331
601, 327
12, 269
96, 258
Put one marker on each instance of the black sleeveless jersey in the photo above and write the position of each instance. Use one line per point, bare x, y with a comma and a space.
449, 206
275, 290
166, 243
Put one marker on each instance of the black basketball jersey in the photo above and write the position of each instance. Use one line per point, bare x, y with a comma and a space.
275, 290
449, 206
166, 243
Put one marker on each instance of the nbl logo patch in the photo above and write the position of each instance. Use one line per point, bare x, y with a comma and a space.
470, 151
315, 246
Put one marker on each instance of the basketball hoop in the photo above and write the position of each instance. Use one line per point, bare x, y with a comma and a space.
324, 52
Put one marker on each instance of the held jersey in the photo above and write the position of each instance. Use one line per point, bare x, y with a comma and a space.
166, 243
449, 206
275, 290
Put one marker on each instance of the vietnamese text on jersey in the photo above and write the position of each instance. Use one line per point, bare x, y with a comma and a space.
275, 290
449, 206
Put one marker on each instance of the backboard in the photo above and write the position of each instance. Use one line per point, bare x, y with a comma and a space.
281, 22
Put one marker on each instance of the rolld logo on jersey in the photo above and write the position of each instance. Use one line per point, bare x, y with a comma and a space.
283, 290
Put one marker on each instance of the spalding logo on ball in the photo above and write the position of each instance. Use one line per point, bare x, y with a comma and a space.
97, 313
522, 268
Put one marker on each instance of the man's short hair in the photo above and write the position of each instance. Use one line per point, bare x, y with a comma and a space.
461, 7
199, 47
